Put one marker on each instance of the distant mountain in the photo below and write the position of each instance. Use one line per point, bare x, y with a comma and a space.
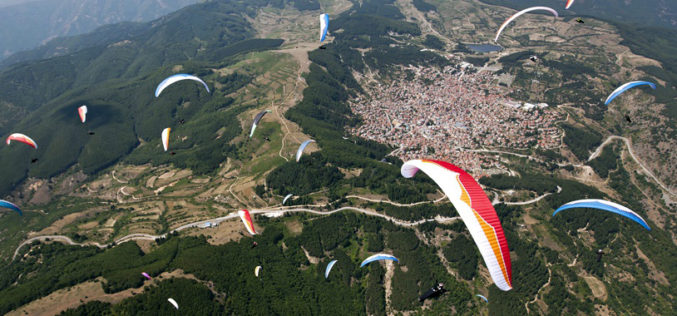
642, 12
29, 24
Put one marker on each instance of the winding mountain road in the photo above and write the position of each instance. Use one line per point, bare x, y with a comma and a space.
394, 203
628, 144
233, 215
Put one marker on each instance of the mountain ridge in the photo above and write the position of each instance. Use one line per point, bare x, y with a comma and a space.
48, 19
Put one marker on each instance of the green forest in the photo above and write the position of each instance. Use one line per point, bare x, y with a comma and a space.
117, 81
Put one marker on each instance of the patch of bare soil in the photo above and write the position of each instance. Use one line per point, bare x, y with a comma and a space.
225, 232
295, 227
311, 259
58, 225
388, 282
145, 245
597, 287
151, 182
42, 193
82, 293
70, 183
602, 310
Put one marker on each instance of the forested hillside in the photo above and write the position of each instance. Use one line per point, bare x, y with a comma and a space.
119, 206
113, 76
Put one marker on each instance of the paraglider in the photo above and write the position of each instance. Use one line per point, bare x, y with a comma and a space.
627, 86
324, 26
247, 220
580, 21
605, 206
377, 257
482, 297
434, 291
301, 148
82, 112
34, 160
175, 78
475, 210
533, 58
165, 138
518, 14
257, 270
329, 267
286, 198
146, 275
600, 253
173, 302
257, 118
23, 139
11, 206
627, 118
568, 4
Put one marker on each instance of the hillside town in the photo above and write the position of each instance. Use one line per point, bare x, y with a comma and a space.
446, 113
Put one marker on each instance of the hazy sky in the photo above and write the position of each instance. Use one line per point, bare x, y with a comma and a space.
4, 3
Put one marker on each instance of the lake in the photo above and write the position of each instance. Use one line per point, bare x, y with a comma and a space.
484, 48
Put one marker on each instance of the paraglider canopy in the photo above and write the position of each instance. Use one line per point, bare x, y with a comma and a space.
324, 26
11, 206
605, 206
482, 297
165, 138
257, 270
257, 119
518, 14
146, 275
377, 257
247, 220
301, 148
82, 112
626, 87
329, 267
286, 198
568, 4
176, 78
477, 213
173, 302
22, 139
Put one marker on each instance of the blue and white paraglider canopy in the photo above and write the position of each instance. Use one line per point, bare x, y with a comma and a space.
329, 267
324, 26
377, 257
627, 86
605, 206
